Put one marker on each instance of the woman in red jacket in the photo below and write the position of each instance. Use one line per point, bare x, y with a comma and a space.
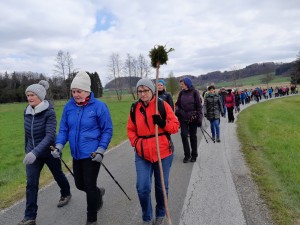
141, 134
230, 103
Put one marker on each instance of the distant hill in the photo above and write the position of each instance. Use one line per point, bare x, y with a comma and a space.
279, 69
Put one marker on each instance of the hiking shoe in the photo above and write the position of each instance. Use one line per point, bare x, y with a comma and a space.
64, 201
186, 159
91, 222
213, 139
101, 192
218, 140
193, 159
159, 221
147, 223
27, 222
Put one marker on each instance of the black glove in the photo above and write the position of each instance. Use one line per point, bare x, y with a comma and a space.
199, 123
158, 120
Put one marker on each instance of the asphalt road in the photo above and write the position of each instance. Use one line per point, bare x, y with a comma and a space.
216, 190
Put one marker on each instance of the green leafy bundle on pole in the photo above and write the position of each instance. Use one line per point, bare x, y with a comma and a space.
159, 55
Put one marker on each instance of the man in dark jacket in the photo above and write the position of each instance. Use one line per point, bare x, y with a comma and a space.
213, 107
189, 113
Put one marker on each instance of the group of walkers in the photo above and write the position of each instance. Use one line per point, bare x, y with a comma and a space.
87, 125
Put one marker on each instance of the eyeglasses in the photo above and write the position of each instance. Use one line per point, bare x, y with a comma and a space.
144, 91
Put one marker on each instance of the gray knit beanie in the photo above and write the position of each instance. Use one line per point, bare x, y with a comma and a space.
82, 81
146, 82
39, 89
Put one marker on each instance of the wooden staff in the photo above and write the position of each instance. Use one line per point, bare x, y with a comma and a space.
161, 173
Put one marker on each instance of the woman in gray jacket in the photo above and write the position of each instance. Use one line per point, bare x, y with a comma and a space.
213, 107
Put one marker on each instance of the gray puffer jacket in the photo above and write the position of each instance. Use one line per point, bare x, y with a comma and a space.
40, 129
213, 106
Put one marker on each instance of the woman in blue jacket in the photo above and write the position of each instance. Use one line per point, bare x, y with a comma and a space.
87, 125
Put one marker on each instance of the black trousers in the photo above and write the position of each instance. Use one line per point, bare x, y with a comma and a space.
230, 114
85, 174
190, 129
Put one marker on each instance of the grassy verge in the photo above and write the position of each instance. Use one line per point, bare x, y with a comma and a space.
12, 171
269, 134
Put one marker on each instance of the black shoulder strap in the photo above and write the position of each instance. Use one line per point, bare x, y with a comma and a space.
161, 109
132, 111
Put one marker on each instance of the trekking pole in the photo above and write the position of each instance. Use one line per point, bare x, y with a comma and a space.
208, 135
53, 149
93, 156
204, 135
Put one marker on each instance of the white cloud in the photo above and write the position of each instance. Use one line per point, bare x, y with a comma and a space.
207, 35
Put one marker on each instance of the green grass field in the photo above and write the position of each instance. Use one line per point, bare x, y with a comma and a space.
254, 81
269, 133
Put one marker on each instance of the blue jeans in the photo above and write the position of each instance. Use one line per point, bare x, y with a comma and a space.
33, 172
215, 128
224, 108
144, 171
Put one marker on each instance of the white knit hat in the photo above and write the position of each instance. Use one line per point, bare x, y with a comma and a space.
39, 89
82, 81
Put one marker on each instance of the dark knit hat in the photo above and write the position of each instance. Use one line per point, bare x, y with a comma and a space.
188, 82
211, 87
146, 82
38, 89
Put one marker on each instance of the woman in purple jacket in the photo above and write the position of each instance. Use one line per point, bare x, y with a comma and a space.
189, 113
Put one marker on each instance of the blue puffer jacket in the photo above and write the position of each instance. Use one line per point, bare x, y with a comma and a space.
85, 127
40, 129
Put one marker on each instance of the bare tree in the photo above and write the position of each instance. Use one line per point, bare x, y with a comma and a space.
60, 65
267, 78
235, 75
129, 69
115, 68
172, 84
143, 66
64, 67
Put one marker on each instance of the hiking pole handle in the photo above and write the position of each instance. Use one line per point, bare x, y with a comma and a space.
52, 148
93, 155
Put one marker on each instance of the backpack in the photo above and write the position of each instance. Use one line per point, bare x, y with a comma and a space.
160, 105
163, 114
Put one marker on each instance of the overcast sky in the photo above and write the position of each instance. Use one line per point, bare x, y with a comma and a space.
207, 35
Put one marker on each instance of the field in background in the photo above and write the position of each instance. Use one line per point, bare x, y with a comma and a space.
255, 81
269, 134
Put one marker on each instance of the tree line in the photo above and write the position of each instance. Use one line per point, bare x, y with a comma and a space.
13, 85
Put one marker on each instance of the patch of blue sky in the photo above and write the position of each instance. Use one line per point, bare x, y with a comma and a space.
104, 20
